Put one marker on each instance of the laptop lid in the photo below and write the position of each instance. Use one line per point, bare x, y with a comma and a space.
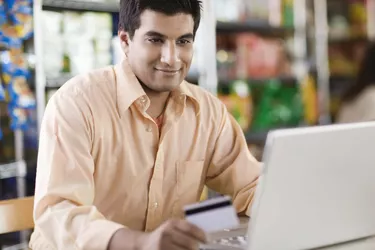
317, 188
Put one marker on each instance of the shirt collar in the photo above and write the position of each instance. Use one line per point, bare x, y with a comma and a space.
128, 87
129, 90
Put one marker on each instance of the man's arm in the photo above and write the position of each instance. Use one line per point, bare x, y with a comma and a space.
233, 170
64, 213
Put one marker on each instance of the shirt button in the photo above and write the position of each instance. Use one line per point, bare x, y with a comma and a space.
156, 205
149, 129
143, 99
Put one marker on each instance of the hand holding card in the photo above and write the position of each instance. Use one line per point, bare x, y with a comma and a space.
213, 215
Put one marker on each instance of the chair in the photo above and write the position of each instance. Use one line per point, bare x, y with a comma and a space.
16, 215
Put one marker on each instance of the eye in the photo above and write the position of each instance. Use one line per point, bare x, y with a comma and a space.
155, 40
183, 41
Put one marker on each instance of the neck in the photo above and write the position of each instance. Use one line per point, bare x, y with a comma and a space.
158, 101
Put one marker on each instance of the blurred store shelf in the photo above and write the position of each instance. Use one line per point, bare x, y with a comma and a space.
193, 77
348, 40
15, 169
80, 5
17, 247
282, 79
341, 78
340, 83
57, 82
258, 138
260, 27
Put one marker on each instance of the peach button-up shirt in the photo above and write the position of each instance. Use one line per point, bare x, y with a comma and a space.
103, 166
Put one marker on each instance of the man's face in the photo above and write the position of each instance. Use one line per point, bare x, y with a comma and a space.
161, 50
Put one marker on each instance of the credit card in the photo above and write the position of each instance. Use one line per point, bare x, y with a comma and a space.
213, 215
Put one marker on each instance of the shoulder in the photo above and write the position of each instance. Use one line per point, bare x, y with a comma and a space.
85, 89
78, 101
88, 82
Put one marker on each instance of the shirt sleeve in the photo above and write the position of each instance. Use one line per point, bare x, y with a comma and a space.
64, 213
233, 170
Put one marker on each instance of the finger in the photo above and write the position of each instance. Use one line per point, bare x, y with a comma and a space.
191, 230
183, 241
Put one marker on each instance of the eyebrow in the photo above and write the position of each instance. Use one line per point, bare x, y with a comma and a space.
187, 36
157, 34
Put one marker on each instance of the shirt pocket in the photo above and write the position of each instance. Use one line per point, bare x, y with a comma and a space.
190, 183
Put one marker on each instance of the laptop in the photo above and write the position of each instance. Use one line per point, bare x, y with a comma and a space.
317, 191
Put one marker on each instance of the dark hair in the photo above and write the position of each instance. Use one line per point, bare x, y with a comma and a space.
131, 10
365, 76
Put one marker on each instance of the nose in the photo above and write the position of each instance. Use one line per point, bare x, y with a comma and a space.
170, 54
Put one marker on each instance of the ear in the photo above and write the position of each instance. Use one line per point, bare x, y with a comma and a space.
124, 40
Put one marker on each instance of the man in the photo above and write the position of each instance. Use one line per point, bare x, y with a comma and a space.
123, 149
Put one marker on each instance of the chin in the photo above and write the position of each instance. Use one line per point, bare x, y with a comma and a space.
166, 88
163, 87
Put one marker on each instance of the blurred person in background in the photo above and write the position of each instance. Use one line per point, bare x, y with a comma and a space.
123, 149
358, 102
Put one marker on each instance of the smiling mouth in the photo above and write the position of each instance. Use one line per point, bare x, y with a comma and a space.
168, 71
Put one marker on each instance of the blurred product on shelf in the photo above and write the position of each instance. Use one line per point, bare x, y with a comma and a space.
75, 43
358, 18
248, 55
228, 10
16, 27
310, 100
347, 20
256, 11
344, 57
276, 105
339, 63
237, 99
2, 93
259, 57
17, 104
256, 68
269, 104
16, 22
31, 140
1, 133
7, 142
288, 13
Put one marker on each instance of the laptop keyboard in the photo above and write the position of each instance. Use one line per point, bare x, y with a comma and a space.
237, 241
